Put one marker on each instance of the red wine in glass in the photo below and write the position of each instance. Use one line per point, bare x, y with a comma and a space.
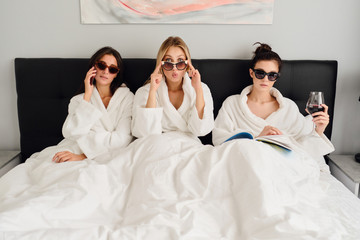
314, 102
315, 108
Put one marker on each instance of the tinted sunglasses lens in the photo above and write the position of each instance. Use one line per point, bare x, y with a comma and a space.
273, 76
181, 65
168, 66
259, 74
113, 70
101, 65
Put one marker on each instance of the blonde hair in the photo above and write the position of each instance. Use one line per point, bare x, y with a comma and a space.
172, 41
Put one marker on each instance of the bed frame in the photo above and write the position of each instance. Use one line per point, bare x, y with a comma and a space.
45, 85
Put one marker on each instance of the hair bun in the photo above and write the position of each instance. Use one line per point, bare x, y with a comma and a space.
262, 48
264, 53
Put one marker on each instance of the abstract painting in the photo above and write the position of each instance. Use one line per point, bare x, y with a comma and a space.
177, 12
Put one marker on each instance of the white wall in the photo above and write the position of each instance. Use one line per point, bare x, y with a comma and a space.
307, 29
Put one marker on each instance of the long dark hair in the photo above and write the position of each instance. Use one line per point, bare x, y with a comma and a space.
119, 79
264, 52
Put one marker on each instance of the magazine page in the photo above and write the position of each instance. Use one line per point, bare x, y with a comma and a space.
279, 140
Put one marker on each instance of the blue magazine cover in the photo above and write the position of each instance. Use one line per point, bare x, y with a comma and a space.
240, 135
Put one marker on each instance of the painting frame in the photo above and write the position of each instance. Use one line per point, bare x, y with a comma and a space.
173, 12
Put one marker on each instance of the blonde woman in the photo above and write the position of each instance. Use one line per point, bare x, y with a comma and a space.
174, 98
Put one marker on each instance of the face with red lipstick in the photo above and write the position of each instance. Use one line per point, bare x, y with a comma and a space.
267, 66
104, 77
174, 55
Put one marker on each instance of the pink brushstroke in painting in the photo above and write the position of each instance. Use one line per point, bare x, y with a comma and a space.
167, 7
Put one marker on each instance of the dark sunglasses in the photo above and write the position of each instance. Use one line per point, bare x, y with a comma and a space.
169, 65
102, 66
260, 74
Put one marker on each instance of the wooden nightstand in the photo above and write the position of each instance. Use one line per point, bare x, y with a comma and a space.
346, 170
8, 160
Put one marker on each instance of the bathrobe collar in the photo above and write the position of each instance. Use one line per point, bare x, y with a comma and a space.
169, 109
111, 111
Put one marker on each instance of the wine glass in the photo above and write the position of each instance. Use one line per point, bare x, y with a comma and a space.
314, 102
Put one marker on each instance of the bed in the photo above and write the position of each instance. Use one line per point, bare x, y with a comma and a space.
44, 88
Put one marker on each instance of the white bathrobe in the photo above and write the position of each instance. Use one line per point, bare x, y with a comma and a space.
165, 117
97, 129
92, 129
235, 116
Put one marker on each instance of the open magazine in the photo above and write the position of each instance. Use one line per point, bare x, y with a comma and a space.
278, 141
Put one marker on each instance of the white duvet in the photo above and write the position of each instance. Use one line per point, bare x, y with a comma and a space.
170, 186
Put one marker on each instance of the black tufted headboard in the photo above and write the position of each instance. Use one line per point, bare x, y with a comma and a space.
45, 86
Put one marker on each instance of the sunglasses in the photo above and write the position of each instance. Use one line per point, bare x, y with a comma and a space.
102, 66
260, 74
169, 65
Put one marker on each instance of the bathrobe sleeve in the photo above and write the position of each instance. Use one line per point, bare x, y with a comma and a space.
145, 121
82, 116
101, 140
201, 127
303, 131
91, 135
224, 123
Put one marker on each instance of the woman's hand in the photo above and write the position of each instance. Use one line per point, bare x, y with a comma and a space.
270, 130
194, 74
89, 87
67, 156
155, 80
321, 119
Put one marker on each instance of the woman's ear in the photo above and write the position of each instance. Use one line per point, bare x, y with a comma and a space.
251, 72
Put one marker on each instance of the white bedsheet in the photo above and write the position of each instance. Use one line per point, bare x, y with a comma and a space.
185, 191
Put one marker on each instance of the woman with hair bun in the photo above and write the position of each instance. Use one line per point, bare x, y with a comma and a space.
284, 193
261, 110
